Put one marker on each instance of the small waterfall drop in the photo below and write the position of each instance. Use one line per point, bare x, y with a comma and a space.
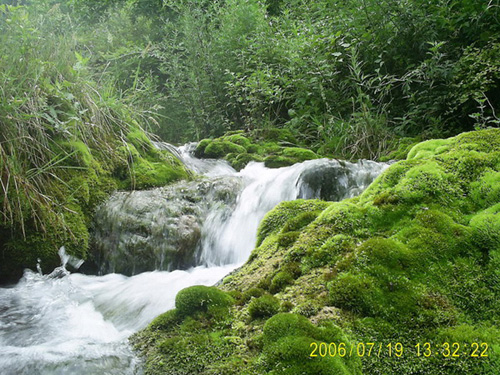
68, 323
230, 239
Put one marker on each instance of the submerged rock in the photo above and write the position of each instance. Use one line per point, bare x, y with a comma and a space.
334, 180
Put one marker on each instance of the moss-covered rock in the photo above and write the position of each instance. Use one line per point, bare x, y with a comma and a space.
142, 166
300, 154
271, 146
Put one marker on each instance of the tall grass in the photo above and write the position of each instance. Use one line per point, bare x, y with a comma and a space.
47, 97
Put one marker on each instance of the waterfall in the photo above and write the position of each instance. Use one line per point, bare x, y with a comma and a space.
230, 239
69, 323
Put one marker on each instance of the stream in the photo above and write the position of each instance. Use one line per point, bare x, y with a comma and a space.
150, 245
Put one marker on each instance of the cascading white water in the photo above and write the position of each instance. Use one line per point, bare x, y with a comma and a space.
231, 239
77, 324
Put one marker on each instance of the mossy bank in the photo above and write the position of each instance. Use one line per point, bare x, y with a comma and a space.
68, 138
280, 148
88, 174
415, 259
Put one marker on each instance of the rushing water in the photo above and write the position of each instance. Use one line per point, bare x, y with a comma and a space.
69, 323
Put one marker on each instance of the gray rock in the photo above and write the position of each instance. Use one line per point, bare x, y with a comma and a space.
158, 229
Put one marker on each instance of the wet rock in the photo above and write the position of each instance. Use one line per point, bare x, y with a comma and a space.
158, 229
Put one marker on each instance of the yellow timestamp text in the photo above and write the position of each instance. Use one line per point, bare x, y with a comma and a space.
397, 349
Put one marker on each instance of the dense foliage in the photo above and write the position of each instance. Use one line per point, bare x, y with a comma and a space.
348, 76
66, 141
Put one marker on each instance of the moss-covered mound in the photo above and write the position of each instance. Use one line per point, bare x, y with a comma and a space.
275, 147
412, 266
86, 177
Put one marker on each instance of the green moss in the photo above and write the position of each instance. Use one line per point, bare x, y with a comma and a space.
307, 309
428, 182
288, 238
239, 140
354, 292
280, 281
194, 354
486, 191
263, 307
140, 141
415, 258
278, 161
79, 153
268, 146
165, 321
68, 229
486, 226
145, 174
329, 252
429, 148
386, 252
275, 219
292, 355
201, 298
252, 293
299, 154
200, 148
285, 324
300, 221
344, 216
220, 148
239, 161
288, 346
142, 171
